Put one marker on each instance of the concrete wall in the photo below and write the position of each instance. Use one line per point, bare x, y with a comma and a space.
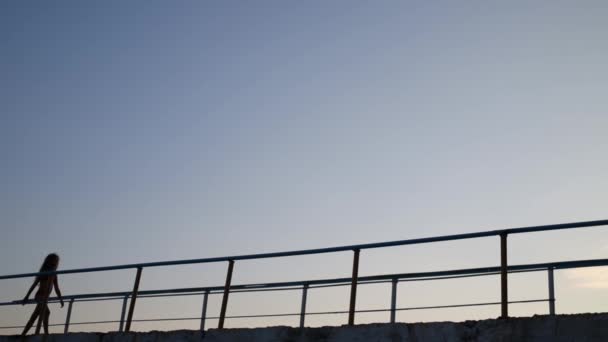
571, 328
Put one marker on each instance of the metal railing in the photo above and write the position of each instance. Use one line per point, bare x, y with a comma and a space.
304, 286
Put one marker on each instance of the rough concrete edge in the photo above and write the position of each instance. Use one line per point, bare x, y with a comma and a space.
467, 330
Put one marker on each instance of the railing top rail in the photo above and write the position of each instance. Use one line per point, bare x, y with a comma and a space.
324, 250
431, 275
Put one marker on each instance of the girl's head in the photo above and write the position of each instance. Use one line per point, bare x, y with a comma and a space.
51, 262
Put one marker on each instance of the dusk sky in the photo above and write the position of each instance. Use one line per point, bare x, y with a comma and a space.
145, 131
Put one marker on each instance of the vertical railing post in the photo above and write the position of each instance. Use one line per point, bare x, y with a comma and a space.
204, 311
394, 299
133, 299
504, 291
353, 288
226, 293
68, 316
123, 312
303, 307
551, 292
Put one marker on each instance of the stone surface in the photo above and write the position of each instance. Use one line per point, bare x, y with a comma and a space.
561, 328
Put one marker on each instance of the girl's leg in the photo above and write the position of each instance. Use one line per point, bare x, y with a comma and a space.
47, 313
41, 315
40, 318
32, 319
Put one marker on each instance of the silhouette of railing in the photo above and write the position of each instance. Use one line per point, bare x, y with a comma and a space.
130, 297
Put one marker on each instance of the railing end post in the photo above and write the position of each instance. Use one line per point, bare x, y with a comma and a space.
394, 283
353, 287
220, 324
133, 299
68, 316
204, 310
551, 291
303, 306
504, 290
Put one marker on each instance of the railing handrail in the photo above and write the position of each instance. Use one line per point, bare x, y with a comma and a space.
432, 275
488, 233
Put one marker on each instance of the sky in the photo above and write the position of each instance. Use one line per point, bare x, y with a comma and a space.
151, 130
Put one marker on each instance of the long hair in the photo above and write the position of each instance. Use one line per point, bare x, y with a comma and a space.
50, 264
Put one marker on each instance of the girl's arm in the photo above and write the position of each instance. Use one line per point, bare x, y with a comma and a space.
56, 284
27, 296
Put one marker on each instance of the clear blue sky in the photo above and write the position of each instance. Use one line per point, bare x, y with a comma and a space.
145, 131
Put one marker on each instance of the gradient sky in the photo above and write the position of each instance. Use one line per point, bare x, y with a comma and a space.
153, 130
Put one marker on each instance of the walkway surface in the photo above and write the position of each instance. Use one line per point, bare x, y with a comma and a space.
571, 328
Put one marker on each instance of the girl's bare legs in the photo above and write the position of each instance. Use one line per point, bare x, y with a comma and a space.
35, 315
46, 314
39, 324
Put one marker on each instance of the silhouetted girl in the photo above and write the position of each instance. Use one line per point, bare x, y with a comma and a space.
46, 282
